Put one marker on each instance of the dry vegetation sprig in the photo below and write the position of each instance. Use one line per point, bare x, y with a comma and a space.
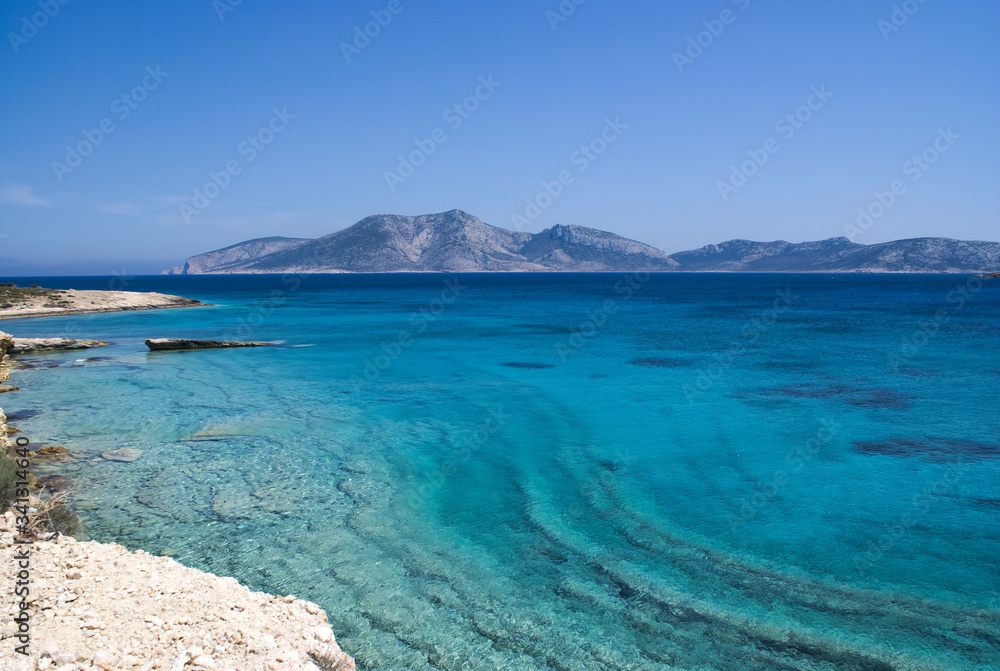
8, 481
331, 659
46, 514
53, 515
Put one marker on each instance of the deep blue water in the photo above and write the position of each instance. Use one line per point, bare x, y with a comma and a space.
711, 472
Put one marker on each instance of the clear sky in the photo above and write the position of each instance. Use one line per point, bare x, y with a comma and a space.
179, 86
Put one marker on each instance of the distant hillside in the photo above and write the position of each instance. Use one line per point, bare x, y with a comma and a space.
917, 255
449, 242
223, 260
459, 242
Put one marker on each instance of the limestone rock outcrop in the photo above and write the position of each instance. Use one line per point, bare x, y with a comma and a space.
27, 345
162, 344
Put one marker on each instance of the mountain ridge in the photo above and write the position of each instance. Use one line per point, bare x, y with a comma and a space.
456, 241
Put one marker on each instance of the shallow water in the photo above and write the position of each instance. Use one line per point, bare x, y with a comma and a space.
561, 472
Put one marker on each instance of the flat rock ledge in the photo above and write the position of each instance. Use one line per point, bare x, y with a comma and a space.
27, 345
99, 607
162, 344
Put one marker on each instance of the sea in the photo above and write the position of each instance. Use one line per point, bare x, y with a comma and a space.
702, 472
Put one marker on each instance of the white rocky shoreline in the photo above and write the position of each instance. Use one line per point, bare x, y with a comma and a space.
100, 607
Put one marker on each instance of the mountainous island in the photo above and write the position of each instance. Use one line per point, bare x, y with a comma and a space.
459, 242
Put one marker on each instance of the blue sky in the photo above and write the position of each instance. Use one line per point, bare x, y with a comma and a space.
329, 126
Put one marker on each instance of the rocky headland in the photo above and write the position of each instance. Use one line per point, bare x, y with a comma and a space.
18, 302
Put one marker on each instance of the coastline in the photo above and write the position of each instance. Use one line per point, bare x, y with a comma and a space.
305, 272
350, 594
100, 606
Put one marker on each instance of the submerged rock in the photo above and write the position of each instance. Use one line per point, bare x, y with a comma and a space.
124, 454
220, 431
55, 452
232, 503
161, 344
55, 483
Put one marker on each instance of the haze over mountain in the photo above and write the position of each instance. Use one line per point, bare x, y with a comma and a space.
459, 242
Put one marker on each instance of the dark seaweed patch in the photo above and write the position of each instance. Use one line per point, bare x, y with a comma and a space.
814, 391
23, 414
989, 503
790, 364
544, 329
929, 449
658, 362
626, 592
861, 397
528, 364
39, 363
916, 372
882, 398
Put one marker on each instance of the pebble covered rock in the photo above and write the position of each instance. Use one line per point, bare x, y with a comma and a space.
99, 607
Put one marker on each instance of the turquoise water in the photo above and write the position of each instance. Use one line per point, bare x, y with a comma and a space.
575, 472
